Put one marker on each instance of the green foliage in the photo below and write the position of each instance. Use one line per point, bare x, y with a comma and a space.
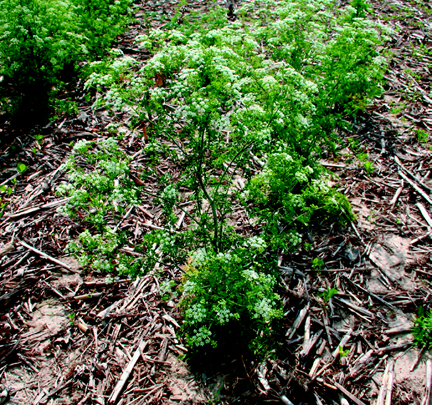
317, 263
229, 297
422, 329
421, 135
326, 295
71, 317
342, 352
21, 167
101, 21
41, 42
290, 193
369, 167
275, 84
361, 7
99, 198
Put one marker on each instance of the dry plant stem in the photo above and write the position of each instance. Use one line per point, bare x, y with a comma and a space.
416, 187
348, 394
420, 355
396, 196
36, 209
428, 394
309, 344
52, 393
354, 307
204, 190
399, 163
384, 384
425, 214
45, 256
390, 306
301, 316
127, 372
385, 274
390, 386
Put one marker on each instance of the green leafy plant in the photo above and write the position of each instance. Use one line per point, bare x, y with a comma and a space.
71, 317
317, 263
361, 7
100, 198
342, 352
363, 157
167, 289
273, 86
41, 42
290, 193
422, 329
354, 144
369, 167
229, 297
421, 135
326, 295
21, 167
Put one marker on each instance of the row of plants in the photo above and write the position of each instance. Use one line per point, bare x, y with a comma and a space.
41, 45
274, 87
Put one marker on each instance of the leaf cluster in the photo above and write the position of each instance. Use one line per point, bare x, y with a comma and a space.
422, 329
229, 296
290, 193
41, 43
274, 86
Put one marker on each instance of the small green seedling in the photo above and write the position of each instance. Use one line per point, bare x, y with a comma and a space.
326, 295
21, 167
369, 167
71, 317
422, 329
4, 188
363, 157
342, 352
421, 135
317, 263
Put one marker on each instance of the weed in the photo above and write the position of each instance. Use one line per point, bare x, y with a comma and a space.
71, 317
422, 329
42, 42
326, 295
21, 167
342, 352
317, 263
221, 94
363, 157
422, 135
397, 110
211, 308
369, 167
354, 144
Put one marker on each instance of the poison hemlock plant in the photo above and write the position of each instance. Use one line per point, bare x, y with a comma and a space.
100, 198
214, 94
369, 167
422, 329
41, 43
326, 295
230, 296
290, 193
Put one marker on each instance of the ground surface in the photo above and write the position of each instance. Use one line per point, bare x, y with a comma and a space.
67, 338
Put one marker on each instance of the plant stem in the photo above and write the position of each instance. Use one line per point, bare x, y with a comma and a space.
203, 188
